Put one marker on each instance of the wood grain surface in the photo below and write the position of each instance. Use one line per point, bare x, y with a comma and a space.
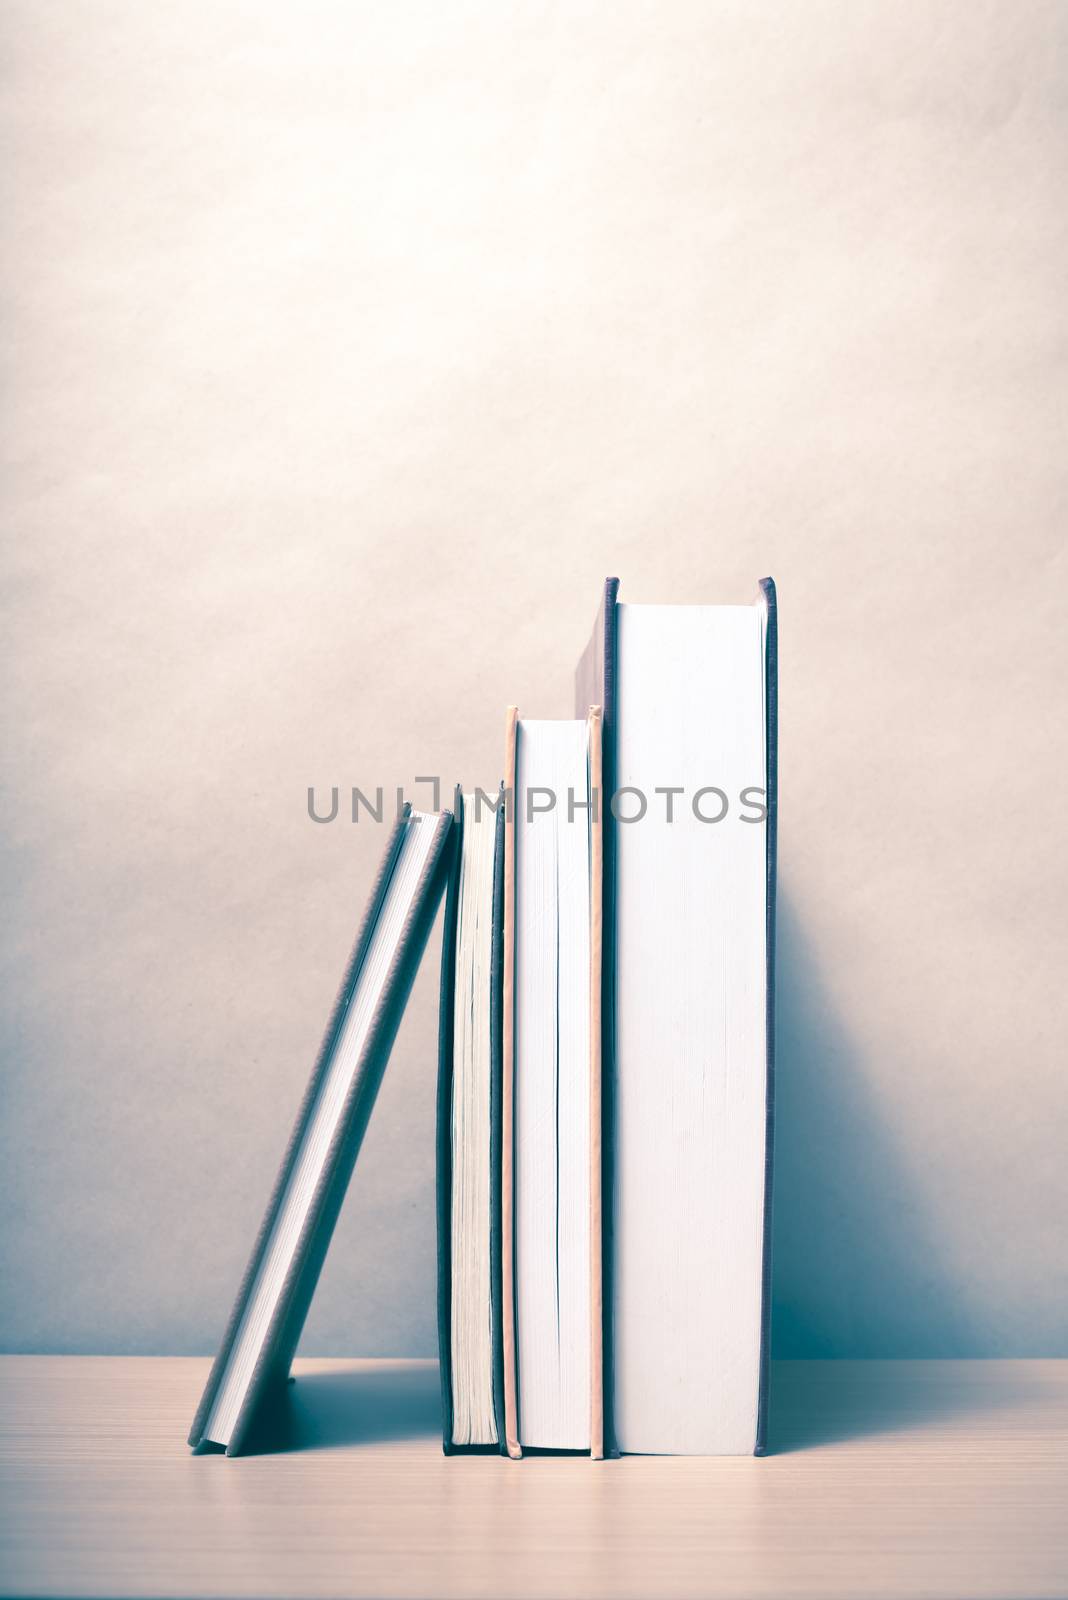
886, 1478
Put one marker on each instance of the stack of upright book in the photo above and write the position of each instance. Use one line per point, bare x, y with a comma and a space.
605, 1075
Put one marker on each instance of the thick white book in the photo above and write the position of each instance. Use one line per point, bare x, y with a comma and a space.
690, 738
552, 1064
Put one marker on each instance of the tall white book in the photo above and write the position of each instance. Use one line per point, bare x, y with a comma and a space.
690, 711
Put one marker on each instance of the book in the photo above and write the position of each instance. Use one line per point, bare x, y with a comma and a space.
551, 1086
252, 1365
690, 705
470, 1335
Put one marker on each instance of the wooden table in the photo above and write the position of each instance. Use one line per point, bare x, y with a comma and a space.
887, 1478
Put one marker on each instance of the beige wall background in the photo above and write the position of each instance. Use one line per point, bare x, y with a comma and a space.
345, 350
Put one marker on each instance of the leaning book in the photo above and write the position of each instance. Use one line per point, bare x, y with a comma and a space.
273, 1300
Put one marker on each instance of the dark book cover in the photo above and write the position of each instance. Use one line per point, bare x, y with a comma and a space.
507, 1184
596, 685
444, 1133
272, 1369
771, 725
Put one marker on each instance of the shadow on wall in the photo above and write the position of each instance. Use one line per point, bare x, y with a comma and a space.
858, 1271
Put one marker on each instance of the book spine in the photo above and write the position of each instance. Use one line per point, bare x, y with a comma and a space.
352, 969
496, 1090
446, 1014
596, 683
596, 837
296, 1293
771, 735
507, 1187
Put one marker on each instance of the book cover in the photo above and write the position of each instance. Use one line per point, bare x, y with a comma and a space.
272, 1367
446, 1037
